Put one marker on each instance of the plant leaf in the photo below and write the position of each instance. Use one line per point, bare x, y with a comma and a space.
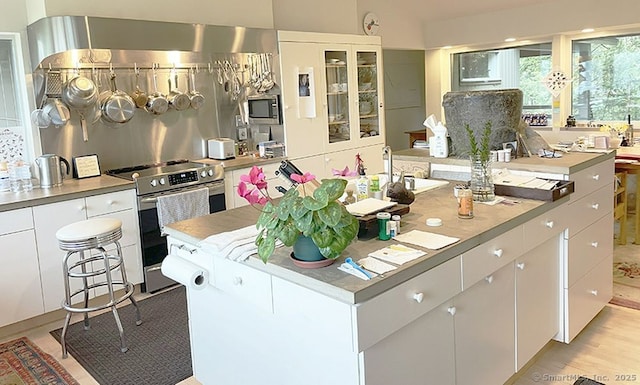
333, 187
323, 238
298, 209
288, 234
312, 204
266, 248
331, 214
304, 223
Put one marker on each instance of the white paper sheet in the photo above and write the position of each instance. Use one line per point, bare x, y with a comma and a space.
375, 265
368, 206
425, 239
397, 254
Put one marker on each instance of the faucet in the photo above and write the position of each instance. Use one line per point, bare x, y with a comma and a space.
386, 150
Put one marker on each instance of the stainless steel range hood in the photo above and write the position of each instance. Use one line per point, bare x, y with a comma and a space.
59, 34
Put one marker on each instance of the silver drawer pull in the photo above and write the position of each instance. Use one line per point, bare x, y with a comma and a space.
498, 252
489, 279
451, 310
520, 265
418, 297
594, 292
595, 206
182, 247
549, 224
596, 177
237, 281
594, 244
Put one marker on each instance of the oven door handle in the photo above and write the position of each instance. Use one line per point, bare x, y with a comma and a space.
213, 190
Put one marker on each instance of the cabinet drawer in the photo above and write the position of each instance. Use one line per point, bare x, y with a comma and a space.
590, 208
269, 171
587, 297
483, 260
592, 178
395, 308
16, 220
243, 282
545, 226
588, 247
111, 202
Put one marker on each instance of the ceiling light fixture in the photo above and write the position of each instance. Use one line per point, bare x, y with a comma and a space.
587, 30
510, 39
447, 47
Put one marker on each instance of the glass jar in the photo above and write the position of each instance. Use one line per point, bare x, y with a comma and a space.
465, 203
481, 180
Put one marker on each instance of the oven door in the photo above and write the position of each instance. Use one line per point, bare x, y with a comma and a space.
154, 245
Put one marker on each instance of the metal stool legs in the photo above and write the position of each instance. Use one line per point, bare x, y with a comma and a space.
86, 270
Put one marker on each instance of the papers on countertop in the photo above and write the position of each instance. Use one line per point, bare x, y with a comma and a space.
426, 239
350, 269
397, 254
506, 178
375, 265
368, 206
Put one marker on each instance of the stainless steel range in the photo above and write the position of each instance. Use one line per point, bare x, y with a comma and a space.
153, 180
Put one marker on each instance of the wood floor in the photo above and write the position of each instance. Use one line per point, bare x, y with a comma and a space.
608, 350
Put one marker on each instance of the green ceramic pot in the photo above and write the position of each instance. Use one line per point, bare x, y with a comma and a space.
305, 250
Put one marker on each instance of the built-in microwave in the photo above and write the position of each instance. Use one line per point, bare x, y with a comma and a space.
264, 109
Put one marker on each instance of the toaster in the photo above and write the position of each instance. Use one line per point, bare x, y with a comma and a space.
221, 148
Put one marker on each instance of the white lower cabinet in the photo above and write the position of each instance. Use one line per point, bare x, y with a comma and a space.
19, 277
48, 219
420, 353
485, 330
537, 298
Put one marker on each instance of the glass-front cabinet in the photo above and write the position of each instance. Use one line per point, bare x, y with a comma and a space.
332, 98
352, 96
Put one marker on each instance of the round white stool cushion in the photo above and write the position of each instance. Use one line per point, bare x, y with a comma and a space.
90, 228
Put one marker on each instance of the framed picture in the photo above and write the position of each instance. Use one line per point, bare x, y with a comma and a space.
86, 166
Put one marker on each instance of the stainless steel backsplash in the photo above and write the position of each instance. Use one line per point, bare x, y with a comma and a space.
150, 138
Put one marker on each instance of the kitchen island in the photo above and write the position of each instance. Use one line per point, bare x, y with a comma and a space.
473, 312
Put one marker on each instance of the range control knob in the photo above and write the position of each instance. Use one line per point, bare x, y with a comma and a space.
154, 182
162, 181
210, 172
203, 173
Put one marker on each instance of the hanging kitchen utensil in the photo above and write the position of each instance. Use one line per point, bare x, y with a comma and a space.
177, 100
80, 94
139, 97
117, 106
156, 103
267, 78
219, 70
53, 84
196, 98
57, 112
40, 119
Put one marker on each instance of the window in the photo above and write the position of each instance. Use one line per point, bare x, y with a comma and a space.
14, 123
520, 67
606, 78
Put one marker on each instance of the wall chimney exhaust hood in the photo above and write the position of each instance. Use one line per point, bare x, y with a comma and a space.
103, 39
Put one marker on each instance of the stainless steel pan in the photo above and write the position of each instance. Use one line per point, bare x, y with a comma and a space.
196, 98
117, 106
157, 103
177, 100
81, 94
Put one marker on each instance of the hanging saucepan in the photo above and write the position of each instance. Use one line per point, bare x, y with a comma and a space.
156, 102
177, 100
139, 97
197, 99
80, 94
117, 106
57, 112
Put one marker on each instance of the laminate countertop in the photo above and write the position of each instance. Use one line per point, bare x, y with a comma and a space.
489, 222
79, 188
70, 189
567, 164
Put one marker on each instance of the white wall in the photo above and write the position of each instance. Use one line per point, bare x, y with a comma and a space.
545, 19
335, 16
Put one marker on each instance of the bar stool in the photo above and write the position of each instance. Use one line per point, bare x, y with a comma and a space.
84, 237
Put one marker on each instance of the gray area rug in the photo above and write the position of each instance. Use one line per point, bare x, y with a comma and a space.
159, 351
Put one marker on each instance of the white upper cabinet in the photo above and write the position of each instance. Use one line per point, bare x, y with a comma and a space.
331, 92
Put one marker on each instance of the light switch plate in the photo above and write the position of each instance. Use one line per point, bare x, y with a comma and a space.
242, 133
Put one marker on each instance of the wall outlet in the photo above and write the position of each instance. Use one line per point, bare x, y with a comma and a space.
242, 133
239, 122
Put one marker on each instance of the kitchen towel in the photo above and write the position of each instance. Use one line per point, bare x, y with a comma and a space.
224, 245
425, 239
183, 205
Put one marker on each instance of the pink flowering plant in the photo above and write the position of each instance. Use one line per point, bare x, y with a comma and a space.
310, 209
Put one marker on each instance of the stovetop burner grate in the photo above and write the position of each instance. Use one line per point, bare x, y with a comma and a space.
127, 170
